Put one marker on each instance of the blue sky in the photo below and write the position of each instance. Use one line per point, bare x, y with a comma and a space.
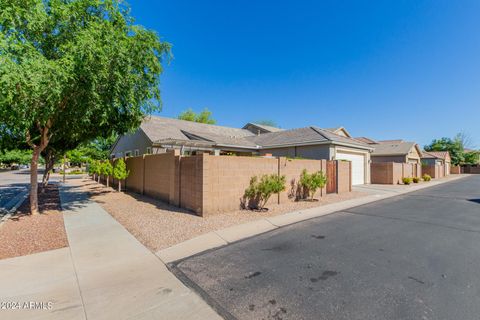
382, 69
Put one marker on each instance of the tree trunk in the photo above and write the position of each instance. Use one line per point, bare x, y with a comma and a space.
34, 181
64, 162
119, 186
98, 178
108, 182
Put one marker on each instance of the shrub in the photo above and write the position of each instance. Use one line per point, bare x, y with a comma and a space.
120, 172
93, 168
407, 180
426, 177
312, 181
260, 190
416, 179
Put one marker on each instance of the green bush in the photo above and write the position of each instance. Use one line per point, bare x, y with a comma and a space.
311, 182
416, 179
407, 180
260, 190
120, 172
426, 177
93, 168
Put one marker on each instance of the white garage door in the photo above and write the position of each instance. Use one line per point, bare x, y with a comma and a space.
358, 166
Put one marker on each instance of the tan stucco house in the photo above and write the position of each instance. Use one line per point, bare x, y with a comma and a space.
441, 158
399, 151
158, 134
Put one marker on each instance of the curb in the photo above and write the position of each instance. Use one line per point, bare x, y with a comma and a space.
225, 236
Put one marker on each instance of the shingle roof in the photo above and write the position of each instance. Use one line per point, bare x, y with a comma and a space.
366, 140
392, 147
265, 127
301, 136
161, 129
435, 154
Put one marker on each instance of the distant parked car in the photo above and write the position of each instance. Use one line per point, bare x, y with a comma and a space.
23, 166
14, 167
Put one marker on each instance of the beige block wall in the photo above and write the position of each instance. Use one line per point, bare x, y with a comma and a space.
226, 178
344, 179
292, 170
393, 172
159, 175
191, 183
134, 181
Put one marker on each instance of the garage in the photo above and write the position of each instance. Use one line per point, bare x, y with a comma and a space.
358, 166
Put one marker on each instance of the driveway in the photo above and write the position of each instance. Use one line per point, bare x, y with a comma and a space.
414, 256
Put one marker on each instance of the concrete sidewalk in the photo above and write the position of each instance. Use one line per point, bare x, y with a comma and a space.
104, 274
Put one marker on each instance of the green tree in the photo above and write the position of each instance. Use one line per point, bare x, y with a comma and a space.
120, 172
74, 68
9, 157
454, 146
93, 168
203, 117
107, 171
472, 157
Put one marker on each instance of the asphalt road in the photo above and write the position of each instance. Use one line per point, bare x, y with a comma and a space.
12, 183
415, 256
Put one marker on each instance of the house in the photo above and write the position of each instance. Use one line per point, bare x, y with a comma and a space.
158, 134
399, 151
437, 158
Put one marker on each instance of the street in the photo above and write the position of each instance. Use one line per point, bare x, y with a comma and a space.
414, 256
12, 184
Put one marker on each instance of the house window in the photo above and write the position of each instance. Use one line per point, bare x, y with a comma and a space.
137, 153
128, 153
149, 150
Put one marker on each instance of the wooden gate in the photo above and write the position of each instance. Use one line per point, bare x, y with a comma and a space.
331, 176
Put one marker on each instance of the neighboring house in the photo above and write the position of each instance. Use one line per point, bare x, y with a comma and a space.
393, 150
157, 135
437, 158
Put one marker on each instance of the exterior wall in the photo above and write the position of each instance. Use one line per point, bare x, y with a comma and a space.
209, 184
134, 181
367, 159
344, 176
429, 161
159, 175
307, 152
280, 152
455, 170
378, 159
131, 142
226, 179
434, 171
292, 170
393, 172
314, 152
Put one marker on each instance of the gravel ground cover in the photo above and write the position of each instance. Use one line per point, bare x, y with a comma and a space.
24, 234
159, 225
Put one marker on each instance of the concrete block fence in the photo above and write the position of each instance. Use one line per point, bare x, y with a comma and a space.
208, 184
393, 172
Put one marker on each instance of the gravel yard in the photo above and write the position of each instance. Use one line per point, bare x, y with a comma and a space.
24, 234
159, 225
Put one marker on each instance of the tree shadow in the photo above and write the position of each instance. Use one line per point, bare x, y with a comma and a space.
474, 200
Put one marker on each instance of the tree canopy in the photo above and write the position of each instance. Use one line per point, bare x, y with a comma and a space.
454, 146
76, 69
203, 117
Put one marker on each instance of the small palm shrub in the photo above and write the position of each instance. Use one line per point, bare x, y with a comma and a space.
311, 182
407, 181
120, 172
416, 179
426, 177
260, 190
